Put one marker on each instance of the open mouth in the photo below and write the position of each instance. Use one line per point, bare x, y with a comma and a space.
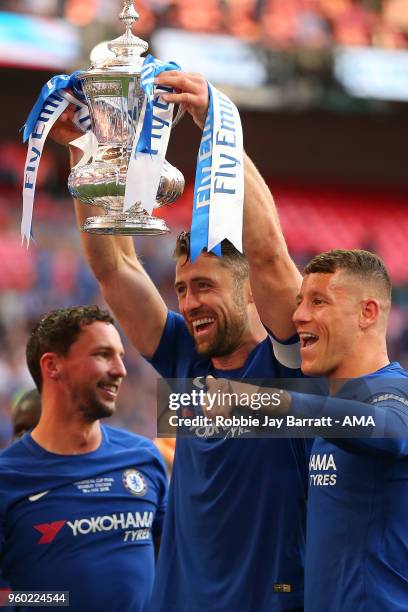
203, 325
109, 389
307, 339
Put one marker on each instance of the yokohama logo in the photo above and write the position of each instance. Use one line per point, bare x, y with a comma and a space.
94, 524
112, 522
49, 531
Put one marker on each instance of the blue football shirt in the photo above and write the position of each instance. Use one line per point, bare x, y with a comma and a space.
357, 526
234, 531
83, 523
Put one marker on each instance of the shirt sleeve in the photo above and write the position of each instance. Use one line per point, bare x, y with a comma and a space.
287, 352
389, 410
174, 344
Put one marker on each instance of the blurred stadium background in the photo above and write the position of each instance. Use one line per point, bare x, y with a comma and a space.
322, 86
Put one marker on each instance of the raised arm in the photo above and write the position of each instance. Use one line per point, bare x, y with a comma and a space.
124, 283
275, 279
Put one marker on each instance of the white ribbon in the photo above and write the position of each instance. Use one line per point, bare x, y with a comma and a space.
144, 169
227, 174
52, 109
34, 152
88, 144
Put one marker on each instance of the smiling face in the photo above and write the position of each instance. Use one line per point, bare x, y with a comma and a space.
93, 369
327, 320
212, 303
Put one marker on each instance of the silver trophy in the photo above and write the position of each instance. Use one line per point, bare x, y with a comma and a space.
115, 99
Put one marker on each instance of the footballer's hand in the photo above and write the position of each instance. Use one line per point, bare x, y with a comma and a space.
64, 130
217, 400
191, 92
224, 397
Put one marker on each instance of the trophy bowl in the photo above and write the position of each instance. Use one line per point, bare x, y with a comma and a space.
115, 98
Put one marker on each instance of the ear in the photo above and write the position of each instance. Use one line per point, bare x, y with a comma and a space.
370, 312
50, 366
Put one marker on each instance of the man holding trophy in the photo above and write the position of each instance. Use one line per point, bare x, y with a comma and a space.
233, 535
234, 532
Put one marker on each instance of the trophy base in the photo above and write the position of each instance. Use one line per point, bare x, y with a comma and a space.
126, 225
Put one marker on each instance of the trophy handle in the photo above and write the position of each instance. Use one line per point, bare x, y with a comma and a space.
180, 113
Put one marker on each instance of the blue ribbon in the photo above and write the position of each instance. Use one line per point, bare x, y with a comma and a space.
202, 189
60, 81
150, 69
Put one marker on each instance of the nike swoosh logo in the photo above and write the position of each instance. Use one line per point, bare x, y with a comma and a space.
37, 496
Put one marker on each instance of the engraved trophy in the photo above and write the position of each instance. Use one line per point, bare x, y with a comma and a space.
115, 99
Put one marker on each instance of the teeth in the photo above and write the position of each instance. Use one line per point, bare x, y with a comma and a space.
111, 388
305, 337
202, 321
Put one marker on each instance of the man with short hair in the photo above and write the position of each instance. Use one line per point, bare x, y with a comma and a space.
81, 501
357, 533
234, 530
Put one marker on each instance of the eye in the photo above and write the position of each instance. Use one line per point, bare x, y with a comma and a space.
318, 301
203, 285
180, 289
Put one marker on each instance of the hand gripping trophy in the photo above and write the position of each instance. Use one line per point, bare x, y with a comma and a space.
118, 106
127, 124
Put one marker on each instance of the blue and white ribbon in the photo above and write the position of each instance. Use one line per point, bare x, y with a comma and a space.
151, 139
219, 186
51, 103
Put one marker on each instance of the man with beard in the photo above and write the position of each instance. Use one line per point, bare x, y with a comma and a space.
80, 501
234, 530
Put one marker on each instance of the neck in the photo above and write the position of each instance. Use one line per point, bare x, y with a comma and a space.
372, 360
255, 334
64, 432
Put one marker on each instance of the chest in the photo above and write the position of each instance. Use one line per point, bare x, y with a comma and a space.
119, 505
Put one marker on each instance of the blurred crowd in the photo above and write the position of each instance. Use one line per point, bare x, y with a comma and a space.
276, 24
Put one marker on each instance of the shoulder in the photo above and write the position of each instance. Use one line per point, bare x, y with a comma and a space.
392, 377
14, 454
127, 439
175, 324
143, 450
176, 356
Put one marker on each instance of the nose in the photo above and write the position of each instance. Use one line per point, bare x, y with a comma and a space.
191, 301
301, 314
117, 369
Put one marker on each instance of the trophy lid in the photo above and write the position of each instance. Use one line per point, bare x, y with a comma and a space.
123, 54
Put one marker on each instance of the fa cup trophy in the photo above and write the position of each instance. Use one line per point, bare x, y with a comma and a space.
117, 104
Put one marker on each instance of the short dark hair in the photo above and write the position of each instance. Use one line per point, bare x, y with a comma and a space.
231, 257
364, 264
56, 331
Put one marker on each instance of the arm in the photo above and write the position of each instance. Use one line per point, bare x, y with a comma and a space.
124, 283
275, 279
390, 415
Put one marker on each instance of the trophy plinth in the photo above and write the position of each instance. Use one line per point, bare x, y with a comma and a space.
126, 224
115, 100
